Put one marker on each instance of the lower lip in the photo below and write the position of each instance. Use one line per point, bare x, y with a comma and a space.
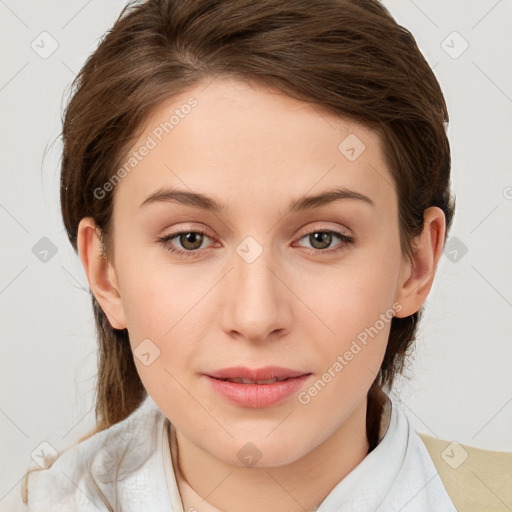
257, 395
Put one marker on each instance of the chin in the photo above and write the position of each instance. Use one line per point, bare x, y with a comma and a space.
261, 454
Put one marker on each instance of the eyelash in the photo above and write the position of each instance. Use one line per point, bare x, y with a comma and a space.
345, 239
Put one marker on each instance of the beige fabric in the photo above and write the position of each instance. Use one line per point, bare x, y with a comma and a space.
476, 480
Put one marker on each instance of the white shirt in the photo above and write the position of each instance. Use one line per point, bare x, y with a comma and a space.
398, 475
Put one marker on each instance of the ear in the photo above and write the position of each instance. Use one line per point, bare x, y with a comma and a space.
100, 273
417, 275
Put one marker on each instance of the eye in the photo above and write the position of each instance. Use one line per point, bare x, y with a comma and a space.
321, 239
190, 240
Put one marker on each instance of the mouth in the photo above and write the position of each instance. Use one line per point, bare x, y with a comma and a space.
259, 388
239, 380
266, 375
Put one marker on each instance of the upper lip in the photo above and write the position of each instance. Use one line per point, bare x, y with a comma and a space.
268, 372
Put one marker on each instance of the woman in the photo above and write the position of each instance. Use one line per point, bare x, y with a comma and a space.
259, 194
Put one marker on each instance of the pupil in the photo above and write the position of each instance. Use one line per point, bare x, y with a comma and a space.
324, 238
191, 238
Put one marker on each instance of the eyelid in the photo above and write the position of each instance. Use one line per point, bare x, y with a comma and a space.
189, 229
317, 229
301, 234
340, 232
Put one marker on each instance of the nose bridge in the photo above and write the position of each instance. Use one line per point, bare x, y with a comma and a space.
252, 268
256, 300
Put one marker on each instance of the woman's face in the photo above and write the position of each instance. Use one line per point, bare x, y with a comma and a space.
271, 282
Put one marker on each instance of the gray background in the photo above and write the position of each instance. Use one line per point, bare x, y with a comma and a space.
461, 387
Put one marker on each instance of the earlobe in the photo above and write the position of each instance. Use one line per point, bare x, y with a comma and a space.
418, 274
100, 273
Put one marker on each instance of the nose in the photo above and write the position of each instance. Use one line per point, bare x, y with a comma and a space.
257, 303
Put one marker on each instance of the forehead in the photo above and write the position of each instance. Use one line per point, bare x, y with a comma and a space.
251, 147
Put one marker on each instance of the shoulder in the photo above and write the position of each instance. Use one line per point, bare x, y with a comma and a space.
475, 479
83, 476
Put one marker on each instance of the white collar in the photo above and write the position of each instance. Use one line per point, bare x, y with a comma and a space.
125, 466
397, 475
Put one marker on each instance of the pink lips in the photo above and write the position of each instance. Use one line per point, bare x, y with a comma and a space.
256, 394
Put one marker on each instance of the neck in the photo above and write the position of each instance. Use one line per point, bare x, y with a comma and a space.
295, 487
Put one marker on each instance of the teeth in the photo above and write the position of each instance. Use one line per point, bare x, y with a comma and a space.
239, 380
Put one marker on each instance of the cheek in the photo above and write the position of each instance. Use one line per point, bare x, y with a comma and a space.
353, 308
350, 353
350, 297
359, 325
156, 294
165, 310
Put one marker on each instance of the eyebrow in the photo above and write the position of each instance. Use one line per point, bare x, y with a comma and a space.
208, 203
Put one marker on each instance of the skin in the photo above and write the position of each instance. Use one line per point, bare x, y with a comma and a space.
256, 150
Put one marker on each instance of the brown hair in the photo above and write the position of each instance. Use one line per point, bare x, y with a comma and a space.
348, 56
